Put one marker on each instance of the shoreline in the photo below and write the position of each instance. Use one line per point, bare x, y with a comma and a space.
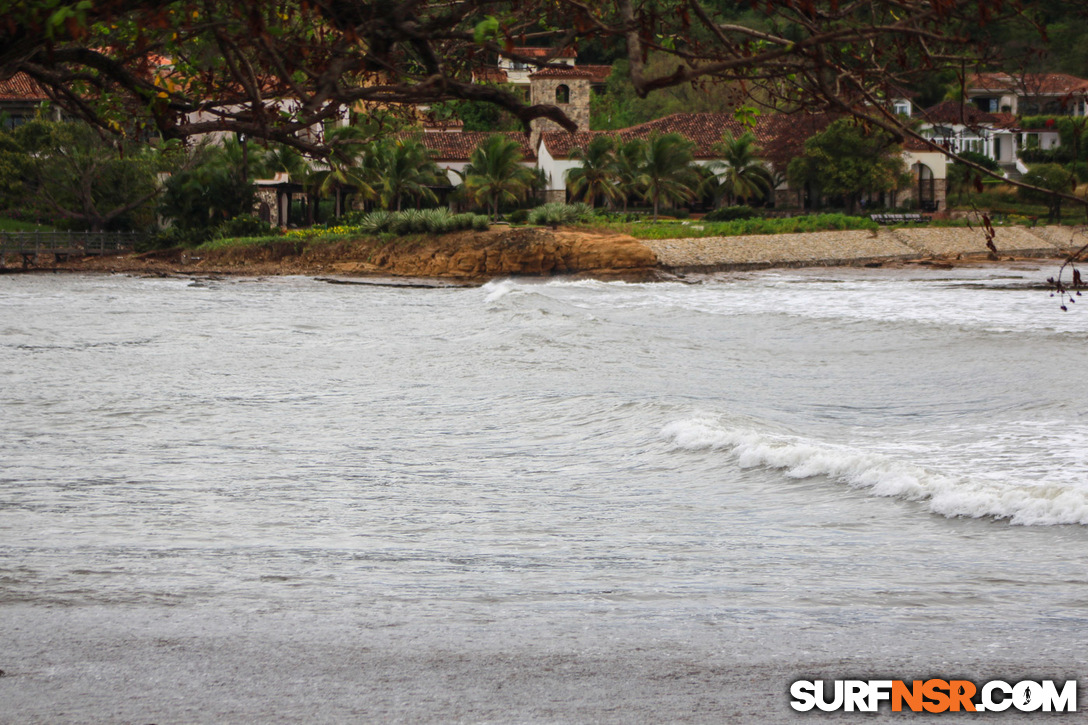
470, 258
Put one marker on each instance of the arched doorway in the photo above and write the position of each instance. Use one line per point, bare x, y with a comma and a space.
927, 187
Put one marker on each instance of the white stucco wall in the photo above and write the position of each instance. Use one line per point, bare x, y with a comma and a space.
935, 160
555, 170
451, 168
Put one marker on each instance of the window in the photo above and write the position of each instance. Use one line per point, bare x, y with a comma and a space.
12, 121
562, 94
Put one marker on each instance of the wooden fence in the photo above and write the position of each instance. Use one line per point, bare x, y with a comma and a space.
30, 246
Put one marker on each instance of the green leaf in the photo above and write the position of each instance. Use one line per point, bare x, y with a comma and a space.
486, 29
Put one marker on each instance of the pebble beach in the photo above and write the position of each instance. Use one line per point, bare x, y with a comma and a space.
860, 247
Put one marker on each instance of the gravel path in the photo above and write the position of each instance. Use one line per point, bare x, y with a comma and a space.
856, 247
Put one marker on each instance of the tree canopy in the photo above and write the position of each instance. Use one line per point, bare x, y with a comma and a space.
81, 178
275, 68
849, 160
495, 174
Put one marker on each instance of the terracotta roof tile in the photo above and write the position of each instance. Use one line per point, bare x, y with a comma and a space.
449, 125
954, 112
458, 146
21, 87
913, 144
781, 136
489, 75
1046, 84
574, 71
544, 52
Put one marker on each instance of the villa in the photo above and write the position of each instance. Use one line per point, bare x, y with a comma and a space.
1029, 94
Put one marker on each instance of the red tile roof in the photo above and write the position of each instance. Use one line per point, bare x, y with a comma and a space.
544, 52
454, 146
21, 87
955, 112
489, 75
913, 144
595, 73
449, 125
1029, 84
781, 136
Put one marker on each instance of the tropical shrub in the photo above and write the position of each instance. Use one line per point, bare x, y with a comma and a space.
981, 159
211, 190
730, 213
558, 213
1048, 178
244, 226
412, 221
676, 213
848, 160
374, 222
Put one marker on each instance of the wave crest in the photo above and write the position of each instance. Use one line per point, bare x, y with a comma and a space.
952, 496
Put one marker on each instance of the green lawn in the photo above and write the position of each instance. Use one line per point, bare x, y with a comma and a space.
13, 225
696, 228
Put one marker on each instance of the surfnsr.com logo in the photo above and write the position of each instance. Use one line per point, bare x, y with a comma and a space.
934, 695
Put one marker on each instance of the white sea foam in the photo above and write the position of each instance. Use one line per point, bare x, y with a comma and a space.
497, 289
1021, 502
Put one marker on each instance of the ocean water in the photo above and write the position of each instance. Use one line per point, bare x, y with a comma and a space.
240, 500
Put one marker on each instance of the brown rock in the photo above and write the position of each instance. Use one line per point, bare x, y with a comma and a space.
467, 256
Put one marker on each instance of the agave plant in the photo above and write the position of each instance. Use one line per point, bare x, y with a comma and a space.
438, 221
558, 213
375, 222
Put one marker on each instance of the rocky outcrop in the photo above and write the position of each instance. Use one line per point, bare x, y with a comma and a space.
528, 252
467, 256
472, 257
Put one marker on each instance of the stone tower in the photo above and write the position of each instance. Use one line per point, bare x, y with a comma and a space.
567, 88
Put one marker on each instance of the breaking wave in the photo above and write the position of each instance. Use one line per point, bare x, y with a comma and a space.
1023, 503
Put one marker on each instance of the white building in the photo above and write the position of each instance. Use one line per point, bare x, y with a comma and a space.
1029, 94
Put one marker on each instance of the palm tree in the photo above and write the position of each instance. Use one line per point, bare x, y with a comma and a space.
342, 169
495, 174
666, 172
278, 159
404, 168
629, 158
739, 173
596, 176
